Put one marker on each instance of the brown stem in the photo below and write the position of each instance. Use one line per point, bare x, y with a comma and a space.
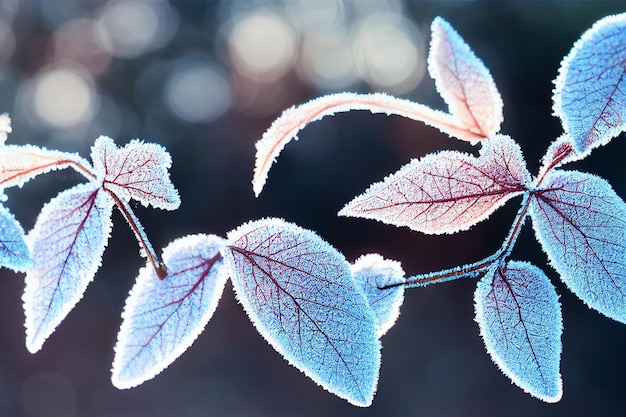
140, 234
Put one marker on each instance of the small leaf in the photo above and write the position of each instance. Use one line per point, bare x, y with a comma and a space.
13, 250
560, 152
300, 295
581, 225
66, 245
19, 164
373, 271
138, 170
163, 317
519, 316
448, 191
5, 127
590, 90
464, 83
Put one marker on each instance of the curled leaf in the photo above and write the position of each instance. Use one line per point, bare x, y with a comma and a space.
519, 316
461, 78
14, 253
163, 317
19, 164
372, 271
300, 295
66, 246
464, 83
292, 120
581, 225
448, 191
138, 170
590, 90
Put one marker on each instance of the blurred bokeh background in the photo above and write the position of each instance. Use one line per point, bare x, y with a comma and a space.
205, 78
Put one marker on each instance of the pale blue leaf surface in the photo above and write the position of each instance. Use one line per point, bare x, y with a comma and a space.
581, 225
448, 191
373, 271
590, 90
14, 253
138, 170
162, 318
300, 294
66, 246
519, 315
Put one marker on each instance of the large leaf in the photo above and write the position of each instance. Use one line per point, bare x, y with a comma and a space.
447, 191
163, 317
19, 164
66, 245
373, 272
590, 90
581, 224
14, 253
519, 316
464, 83
300, 295
461, 78
138, 170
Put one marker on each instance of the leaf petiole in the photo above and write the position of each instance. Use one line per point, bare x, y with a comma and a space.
475, 269
140, 234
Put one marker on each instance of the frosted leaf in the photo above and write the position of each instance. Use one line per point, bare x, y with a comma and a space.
581, 225
448, 191
590, 90
372, 271
300, 295
461, 78
13, 250
560, 152
19, 164
66, 246
5, 127
464, 83
138, 170
519, 316
292, 120
163, 317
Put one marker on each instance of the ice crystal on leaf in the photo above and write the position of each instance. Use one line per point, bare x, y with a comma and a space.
300, 295
325, 316
465, 84
519, 316
71, 232
581, 224
578, 219
66, 245
590, 92
447, 191
24, 162
14, 253
475, 106
373, 272
163, 317
138, 170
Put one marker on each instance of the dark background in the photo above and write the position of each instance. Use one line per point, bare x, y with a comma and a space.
433, 362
